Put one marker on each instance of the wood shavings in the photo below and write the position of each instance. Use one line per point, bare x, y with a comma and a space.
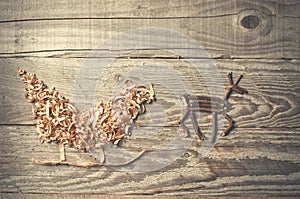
53, 112
58, 121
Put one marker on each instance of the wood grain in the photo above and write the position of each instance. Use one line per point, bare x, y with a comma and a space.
258, 154
273, 99
258, 158
245, 162
216, 25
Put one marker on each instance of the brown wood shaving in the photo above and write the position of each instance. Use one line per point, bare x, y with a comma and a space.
53, 112
58, 121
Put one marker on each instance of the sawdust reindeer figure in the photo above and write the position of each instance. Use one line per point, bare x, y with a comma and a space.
59, 122
210, 105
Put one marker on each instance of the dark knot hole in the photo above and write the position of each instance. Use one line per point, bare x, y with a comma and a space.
250, 22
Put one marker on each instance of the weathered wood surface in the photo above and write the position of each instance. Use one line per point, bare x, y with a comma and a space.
57, 28
272, 102
52, 39
238, 164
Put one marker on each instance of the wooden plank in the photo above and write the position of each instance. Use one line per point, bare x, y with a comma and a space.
272, 102
72, 196
19, 10
79, 30
249, 161
255, 38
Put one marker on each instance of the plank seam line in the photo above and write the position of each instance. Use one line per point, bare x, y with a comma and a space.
136, 18
248, 128
291, 59
27, 54
112, 18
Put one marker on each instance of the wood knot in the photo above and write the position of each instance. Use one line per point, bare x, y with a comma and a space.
253, 24
250, 22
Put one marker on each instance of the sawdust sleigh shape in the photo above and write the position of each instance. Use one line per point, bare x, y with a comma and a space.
58, 120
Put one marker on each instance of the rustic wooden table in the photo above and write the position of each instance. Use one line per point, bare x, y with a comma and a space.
259, 39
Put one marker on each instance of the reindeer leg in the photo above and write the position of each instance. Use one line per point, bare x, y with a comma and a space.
196, 127
231, 122
185, 116
182, 125
214, 126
